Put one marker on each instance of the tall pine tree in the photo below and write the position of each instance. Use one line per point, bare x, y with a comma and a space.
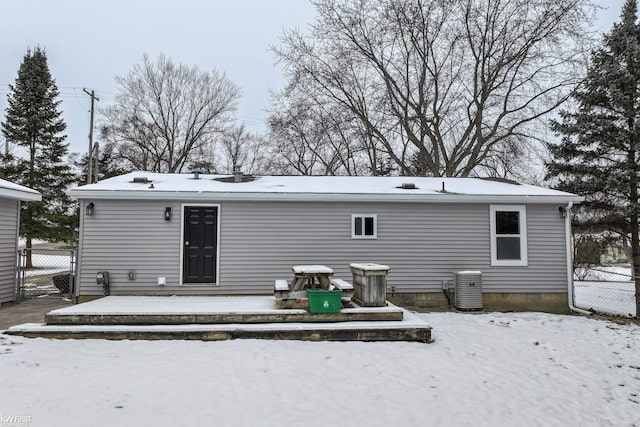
33, 123
598, 155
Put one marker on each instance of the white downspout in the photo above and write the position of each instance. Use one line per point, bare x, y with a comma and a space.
567, 238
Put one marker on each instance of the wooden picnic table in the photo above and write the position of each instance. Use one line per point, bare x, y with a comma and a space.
306, 277
310, 277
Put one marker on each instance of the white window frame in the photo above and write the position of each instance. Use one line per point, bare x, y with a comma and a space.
363, 216
522, 217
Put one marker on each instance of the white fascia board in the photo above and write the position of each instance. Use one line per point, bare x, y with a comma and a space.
27, 196
320, 197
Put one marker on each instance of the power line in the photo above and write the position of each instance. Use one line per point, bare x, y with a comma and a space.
64, 92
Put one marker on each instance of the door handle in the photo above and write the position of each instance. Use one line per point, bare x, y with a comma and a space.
186, 243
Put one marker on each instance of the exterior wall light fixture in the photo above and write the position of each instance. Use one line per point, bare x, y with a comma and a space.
167, 213
562, 211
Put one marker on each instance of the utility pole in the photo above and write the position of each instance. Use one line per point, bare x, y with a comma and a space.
94, 98
96, 149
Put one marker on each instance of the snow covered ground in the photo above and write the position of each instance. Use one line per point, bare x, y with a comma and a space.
22, 242
526, 369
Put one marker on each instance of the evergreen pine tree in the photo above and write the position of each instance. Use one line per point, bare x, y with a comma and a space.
33, 122
598, 154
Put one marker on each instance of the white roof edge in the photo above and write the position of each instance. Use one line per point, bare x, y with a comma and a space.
324, 197
11, 190
28, 195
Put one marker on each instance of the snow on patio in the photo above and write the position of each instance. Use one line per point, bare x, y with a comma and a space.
122, 304
483, 370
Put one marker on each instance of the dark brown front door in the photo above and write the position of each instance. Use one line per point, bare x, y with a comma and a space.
200, 244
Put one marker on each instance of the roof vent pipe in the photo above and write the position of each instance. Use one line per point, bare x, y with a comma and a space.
443, 190
238, 176
196, 174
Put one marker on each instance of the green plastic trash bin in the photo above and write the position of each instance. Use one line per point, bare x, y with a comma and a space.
321, 301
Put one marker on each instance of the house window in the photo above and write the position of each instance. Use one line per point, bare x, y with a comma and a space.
364, 226
508, 235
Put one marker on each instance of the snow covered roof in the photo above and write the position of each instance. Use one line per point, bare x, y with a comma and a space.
158, 186
9, 190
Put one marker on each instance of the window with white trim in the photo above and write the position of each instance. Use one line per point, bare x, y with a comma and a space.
364, 226
508, 235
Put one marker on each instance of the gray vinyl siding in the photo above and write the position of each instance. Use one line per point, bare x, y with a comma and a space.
8, 248
260, 242
122, 236
547, 265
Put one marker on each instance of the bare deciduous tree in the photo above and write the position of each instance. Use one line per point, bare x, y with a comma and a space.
165, 114
242, 148
311, 140
441, 87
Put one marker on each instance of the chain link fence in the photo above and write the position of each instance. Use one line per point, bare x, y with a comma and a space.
45, 272
605, 290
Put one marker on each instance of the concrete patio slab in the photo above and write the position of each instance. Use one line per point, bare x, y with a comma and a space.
212, 319
149, 310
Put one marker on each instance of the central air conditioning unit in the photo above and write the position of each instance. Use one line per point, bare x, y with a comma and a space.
468, 286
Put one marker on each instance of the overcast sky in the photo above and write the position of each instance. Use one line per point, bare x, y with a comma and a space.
88, 43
